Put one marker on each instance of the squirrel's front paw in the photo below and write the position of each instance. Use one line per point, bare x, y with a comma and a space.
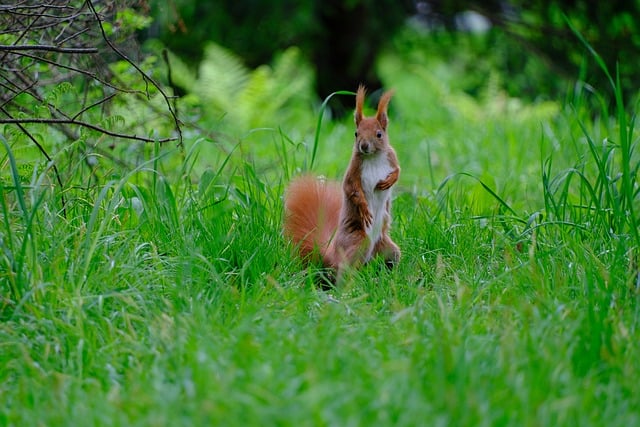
388, 182
384, 185
367, 218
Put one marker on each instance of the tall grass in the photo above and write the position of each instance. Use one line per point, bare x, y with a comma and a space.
168, 295
16, 244
625, 212
603, 204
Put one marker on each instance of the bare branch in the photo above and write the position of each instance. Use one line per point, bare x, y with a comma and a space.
78, 70
46, 155
38, 120
17, 48
145, 75
102, 101
53, 42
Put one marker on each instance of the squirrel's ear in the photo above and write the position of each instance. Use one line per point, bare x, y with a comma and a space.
381, 116
359, 104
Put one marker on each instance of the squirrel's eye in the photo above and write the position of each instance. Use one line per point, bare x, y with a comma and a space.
379, 134
356, 134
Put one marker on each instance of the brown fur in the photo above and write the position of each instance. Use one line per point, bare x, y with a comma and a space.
340, 224
312, 208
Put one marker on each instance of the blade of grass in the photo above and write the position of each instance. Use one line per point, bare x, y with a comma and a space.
316, 137
95, 227
17, 287
15, 175
626, 211
488, 189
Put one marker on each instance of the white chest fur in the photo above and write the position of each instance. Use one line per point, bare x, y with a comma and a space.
374, 170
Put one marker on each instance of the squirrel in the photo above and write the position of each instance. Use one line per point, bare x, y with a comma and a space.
346, 226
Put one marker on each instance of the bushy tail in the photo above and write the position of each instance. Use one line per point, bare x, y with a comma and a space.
312, 210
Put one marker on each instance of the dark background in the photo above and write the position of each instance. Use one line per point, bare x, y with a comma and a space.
342, 38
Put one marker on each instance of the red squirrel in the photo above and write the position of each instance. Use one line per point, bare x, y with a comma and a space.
347, 226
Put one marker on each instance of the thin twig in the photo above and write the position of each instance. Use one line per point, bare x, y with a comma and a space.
94, 76
102, 101
12, 8
15, 92
46, 155
38, 120
47, 48
165, 56
73, 36
145, 76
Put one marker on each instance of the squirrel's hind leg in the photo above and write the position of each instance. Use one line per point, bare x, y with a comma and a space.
386, 247
388, 250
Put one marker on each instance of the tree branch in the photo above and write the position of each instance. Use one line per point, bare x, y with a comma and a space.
47, 48
46, 155
36, 120
101, 101
145, 76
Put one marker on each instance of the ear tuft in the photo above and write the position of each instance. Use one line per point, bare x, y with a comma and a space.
381, 116
359, 104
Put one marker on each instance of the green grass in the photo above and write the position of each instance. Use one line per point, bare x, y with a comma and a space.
168, 296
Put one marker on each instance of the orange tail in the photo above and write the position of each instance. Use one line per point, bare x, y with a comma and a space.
312, 210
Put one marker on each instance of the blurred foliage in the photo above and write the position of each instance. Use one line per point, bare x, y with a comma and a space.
246, 98
481, 63
447, 115
543, 28
343, 39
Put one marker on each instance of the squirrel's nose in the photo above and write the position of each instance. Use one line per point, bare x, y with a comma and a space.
364, 147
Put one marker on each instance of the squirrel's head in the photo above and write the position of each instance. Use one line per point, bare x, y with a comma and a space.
371, 132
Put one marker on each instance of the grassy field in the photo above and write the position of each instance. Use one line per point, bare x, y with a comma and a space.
168, 296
